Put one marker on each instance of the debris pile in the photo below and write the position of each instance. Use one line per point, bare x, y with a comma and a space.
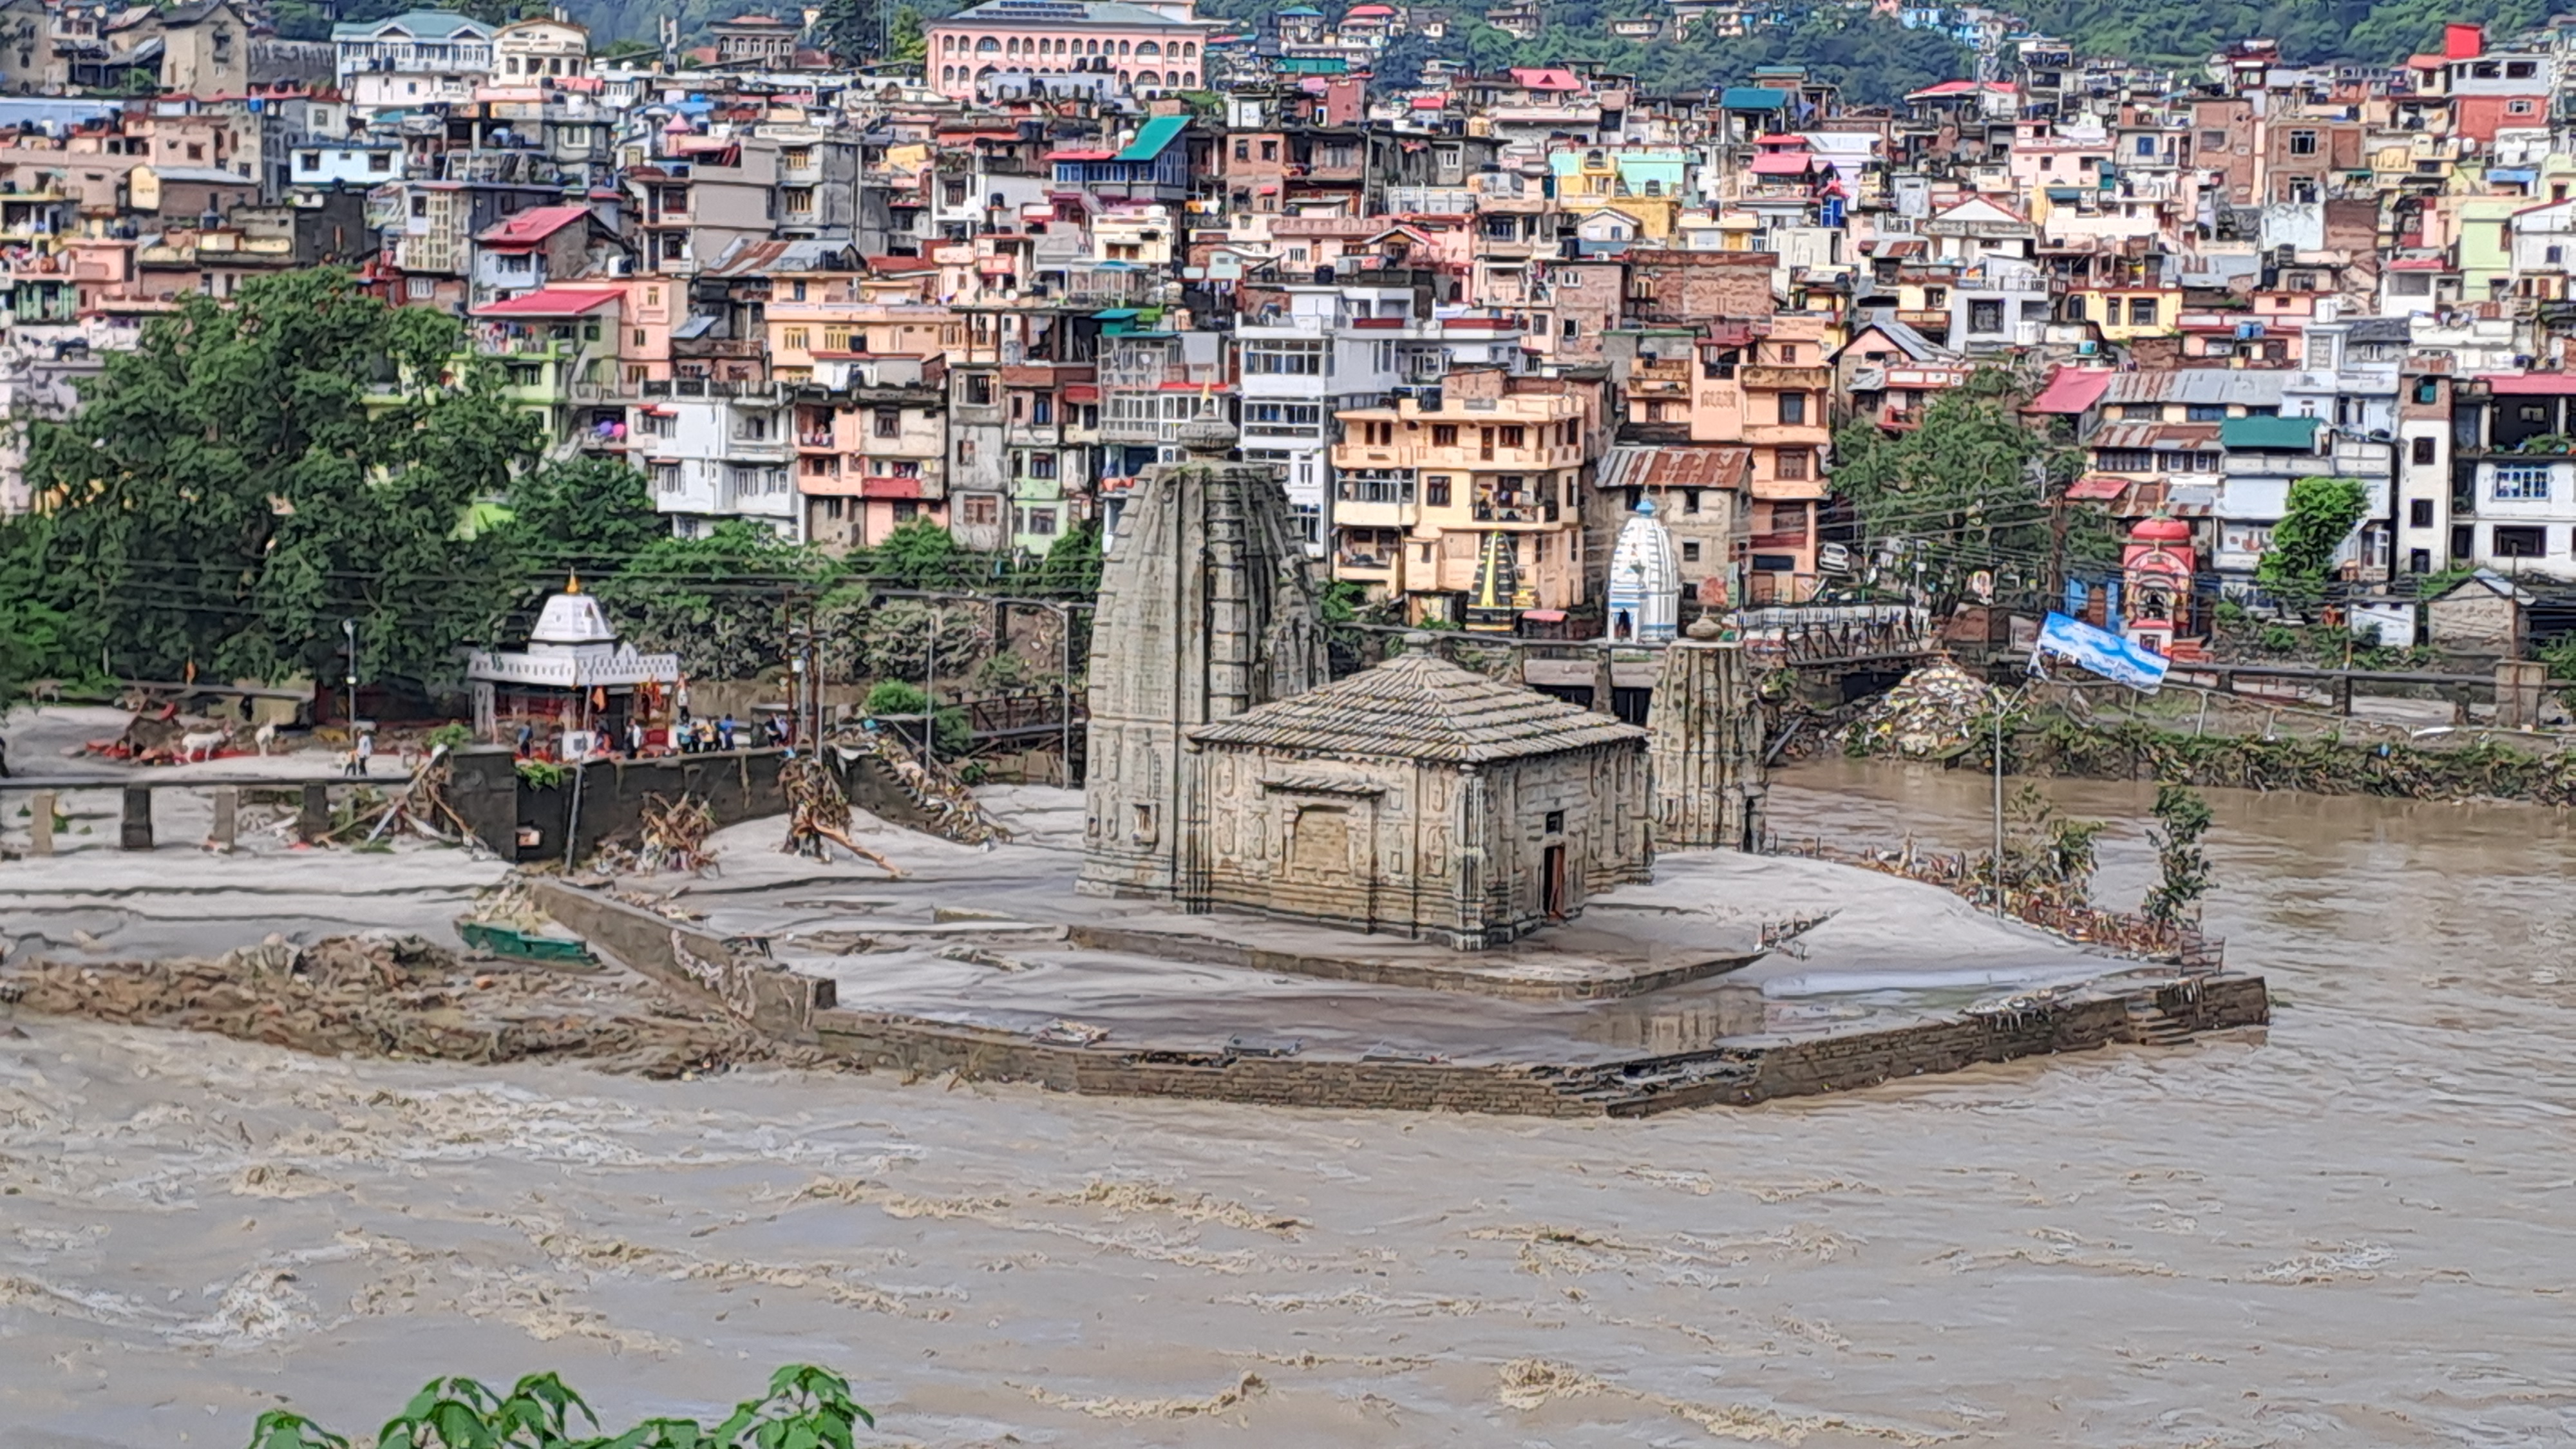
818, 814
949, 808
1932, 712
401, 996
673, 839
420, 807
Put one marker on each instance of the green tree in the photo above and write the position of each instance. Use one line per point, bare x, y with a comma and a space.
2182, 868
586, 515
1071, 569
724, 602
1972, 488
907, 43
805, 1408
258, 470
2322, 513
920, 555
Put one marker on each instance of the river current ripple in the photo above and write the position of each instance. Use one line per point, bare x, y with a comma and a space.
2360, 1229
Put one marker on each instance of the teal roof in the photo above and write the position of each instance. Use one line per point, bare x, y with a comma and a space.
1153, 137
2295, 434
1302, 12
1314, 64
1752, 98
418, 24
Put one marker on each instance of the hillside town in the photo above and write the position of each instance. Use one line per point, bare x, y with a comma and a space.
1044, 720
1476, 323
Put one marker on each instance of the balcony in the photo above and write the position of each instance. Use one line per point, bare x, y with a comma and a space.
817, 442
1764, 377
1924, 317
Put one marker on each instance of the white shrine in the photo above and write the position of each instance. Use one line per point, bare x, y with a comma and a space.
575, 682
1645, 580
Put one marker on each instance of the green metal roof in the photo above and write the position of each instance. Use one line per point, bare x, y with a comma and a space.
2296, 434
1153, 137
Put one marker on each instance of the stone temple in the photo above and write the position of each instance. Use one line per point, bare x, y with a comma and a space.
1418, 798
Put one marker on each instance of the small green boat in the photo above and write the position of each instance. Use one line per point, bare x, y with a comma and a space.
519, 945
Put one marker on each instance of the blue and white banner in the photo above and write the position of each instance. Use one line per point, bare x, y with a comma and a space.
2103, 652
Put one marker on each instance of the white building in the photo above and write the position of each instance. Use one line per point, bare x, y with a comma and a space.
417, 58
716, 451
1336, 347
350, 164
528, 51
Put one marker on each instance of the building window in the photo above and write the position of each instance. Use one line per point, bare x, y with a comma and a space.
2420, 451
2142, 311
982, 512
1690, 551
2303, 143
1283, 359
794, 339
1435, 490
888, 423
1986, 316
2419, 513
979, 390
1793, 407
1042, 465
1515, 436
2205, 412
2521, 542
1792, 466
2522, 483
1444, 435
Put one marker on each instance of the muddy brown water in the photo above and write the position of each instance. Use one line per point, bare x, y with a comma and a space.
2361, 1230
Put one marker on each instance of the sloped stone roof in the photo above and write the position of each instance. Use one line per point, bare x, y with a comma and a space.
1420, 707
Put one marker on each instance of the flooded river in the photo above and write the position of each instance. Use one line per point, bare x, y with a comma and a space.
2361, 1231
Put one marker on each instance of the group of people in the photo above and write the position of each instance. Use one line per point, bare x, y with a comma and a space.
685, 736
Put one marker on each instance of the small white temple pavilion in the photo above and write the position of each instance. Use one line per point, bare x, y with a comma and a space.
576, 686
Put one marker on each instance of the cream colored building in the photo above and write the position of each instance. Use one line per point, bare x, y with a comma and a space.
1470, 509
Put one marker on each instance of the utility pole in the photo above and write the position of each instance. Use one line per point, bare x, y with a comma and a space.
349, 632
1064, 693
930, 691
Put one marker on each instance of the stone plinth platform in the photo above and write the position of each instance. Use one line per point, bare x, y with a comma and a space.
1581, 961
984, 963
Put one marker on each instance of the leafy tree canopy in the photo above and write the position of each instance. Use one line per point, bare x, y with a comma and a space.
1970, 489
258, 471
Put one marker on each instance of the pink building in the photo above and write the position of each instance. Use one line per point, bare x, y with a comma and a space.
1149, 45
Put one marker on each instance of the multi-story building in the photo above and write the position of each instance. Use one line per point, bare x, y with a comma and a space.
1468, 505
1147, 49
416, 59
1319, 351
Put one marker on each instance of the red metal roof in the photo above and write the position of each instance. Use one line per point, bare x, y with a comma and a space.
531, 226
2072, 390
2530, 384
2097, 487
553, 302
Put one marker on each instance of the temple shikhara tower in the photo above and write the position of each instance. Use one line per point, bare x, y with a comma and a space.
1207, 608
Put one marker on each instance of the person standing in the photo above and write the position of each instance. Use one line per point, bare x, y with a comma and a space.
362, 754
724, 733
634, 739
